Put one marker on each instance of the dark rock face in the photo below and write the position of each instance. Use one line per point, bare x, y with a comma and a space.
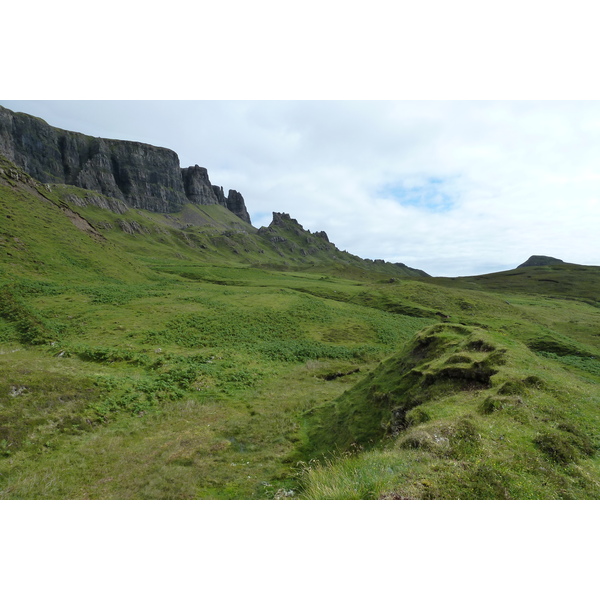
199, 190
540, 261
31, 144
219, 195
141, 175
197, 186
294, 236
284, 220
236, 204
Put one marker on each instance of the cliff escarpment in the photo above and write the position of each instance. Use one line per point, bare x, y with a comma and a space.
199, 190
141, 175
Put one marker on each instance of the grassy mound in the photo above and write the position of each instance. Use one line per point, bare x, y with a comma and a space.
459, 414
441, 360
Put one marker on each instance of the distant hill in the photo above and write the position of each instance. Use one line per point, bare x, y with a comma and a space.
560, 280
540, 261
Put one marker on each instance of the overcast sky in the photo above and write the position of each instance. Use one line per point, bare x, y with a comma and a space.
451, 187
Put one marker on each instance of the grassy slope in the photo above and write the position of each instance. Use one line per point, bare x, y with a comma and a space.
559, 280
153, 360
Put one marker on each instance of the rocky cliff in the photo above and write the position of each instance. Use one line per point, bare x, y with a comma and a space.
199, 190
141, 175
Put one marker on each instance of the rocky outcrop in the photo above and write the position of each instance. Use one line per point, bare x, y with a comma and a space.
198, 188
236, 204
105, 202
284, 220
219, 195
131, 227
141, 175
286, 236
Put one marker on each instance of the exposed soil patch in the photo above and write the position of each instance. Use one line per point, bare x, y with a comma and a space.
338, 374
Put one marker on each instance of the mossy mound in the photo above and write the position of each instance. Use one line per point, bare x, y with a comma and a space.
459, 414
442, 360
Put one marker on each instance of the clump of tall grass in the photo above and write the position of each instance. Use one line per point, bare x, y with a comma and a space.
350, 477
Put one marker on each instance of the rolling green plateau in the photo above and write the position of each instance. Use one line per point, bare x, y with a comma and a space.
189, 355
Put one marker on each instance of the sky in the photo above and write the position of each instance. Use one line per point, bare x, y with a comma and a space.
451, 187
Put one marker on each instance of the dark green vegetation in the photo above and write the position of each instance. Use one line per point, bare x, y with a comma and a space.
188, 355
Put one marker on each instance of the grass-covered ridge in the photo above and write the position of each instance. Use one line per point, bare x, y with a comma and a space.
472, 416
188, 355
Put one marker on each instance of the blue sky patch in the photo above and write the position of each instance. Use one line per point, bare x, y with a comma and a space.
261, 218
432, 196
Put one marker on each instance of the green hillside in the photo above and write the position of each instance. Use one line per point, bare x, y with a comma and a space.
564, 281
182, 355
